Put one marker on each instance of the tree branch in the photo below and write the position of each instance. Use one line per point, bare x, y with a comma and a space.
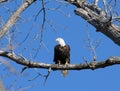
98, 18
13, 18
31, 64
2, 1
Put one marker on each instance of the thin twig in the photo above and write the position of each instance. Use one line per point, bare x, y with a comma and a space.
42, 28
46, 76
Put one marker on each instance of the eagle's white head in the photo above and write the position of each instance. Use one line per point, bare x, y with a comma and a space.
60, 41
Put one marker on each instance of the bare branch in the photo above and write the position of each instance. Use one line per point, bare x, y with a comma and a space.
42, 26
46, 76
97, 17
13, 18
32, 64
92, 47
101, 23
2, 1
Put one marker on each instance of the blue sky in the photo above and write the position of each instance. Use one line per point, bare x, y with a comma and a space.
61, 22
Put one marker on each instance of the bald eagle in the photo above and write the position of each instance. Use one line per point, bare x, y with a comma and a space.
62, 54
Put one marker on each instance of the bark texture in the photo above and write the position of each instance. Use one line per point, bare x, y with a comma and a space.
32, 64
99, 19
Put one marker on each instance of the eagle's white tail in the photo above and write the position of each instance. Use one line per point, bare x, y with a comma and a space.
64, 72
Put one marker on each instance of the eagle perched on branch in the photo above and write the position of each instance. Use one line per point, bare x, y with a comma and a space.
62, 54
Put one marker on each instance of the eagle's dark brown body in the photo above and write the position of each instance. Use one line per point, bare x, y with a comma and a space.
61, 54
